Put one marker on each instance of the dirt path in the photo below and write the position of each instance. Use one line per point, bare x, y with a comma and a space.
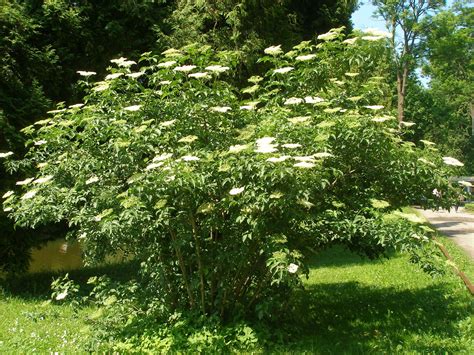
457, 225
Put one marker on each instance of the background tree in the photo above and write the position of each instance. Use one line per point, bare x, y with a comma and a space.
404, 20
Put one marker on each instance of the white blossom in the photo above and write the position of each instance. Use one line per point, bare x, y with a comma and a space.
283, 70
217, 68
305, 203
222, 109
350, 40
135, 75
92, 180
199, 75
407, 124
327, 36
4, 155
132, 108
41, 142
162, 157
56, 111
304, 164
278, 159
76, 106
323, 155
374, 107
273, 50
381, 119
113, 76
452, 161
292, 268
236, 190
313, 100
425, 142
306, 57
24, 182
270, 148
184, 68
247, 107
351, 75
291, 145
154, 165
41, 165
101, 86
43, 180
165, 82
171, 52
86, 73
238, 148
305, 158
29, 194
7, 194
188, 139
293, 101
7, 209
189, 158
167, 123
167, 64
265, 140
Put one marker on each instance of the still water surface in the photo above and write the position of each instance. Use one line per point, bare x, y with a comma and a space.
55, 256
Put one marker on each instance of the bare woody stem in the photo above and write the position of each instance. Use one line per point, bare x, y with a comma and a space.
182, 266
199, 260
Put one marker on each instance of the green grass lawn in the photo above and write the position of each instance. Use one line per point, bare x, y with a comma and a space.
350, 305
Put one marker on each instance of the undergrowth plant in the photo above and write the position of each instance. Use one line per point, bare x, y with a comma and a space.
220, 192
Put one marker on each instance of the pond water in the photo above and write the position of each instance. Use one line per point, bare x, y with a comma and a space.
56, 255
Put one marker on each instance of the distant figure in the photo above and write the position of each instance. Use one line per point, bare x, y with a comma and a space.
459, 202
63, 248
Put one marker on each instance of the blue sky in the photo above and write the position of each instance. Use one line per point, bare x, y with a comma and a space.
362, 18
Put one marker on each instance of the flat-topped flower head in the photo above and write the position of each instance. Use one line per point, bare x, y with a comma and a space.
273, 50
135, 75
188, 139
304, 165
56, 111
407, 124
351, 75
291, 145
313, 100
154, 165
86, 73
43, 180
166, 64
222, 109
322, 155
381, 119
265, 140
184, 68
199, 75
278, 159
374, 107
350, 40
452, 161
293, 101
162, 157
217, 68
76, 106
8, 194
29, 194
189, 158
172, 52
167, 123
132, 108
6, 154
92, 180
427, 143
283, 70
292, 268
100, 86
41, 142
24, 182
238, 148
113, 76
304, 58
328, 36
236, 191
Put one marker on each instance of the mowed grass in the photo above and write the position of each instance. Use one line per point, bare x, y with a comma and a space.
349, 305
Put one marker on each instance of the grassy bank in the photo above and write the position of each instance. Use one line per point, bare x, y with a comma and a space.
350, 305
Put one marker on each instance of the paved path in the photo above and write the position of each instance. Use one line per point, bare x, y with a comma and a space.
457, 225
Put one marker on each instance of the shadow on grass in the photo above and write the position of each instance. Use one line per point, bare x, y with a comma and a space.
38, 285
350, 318
338, 256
